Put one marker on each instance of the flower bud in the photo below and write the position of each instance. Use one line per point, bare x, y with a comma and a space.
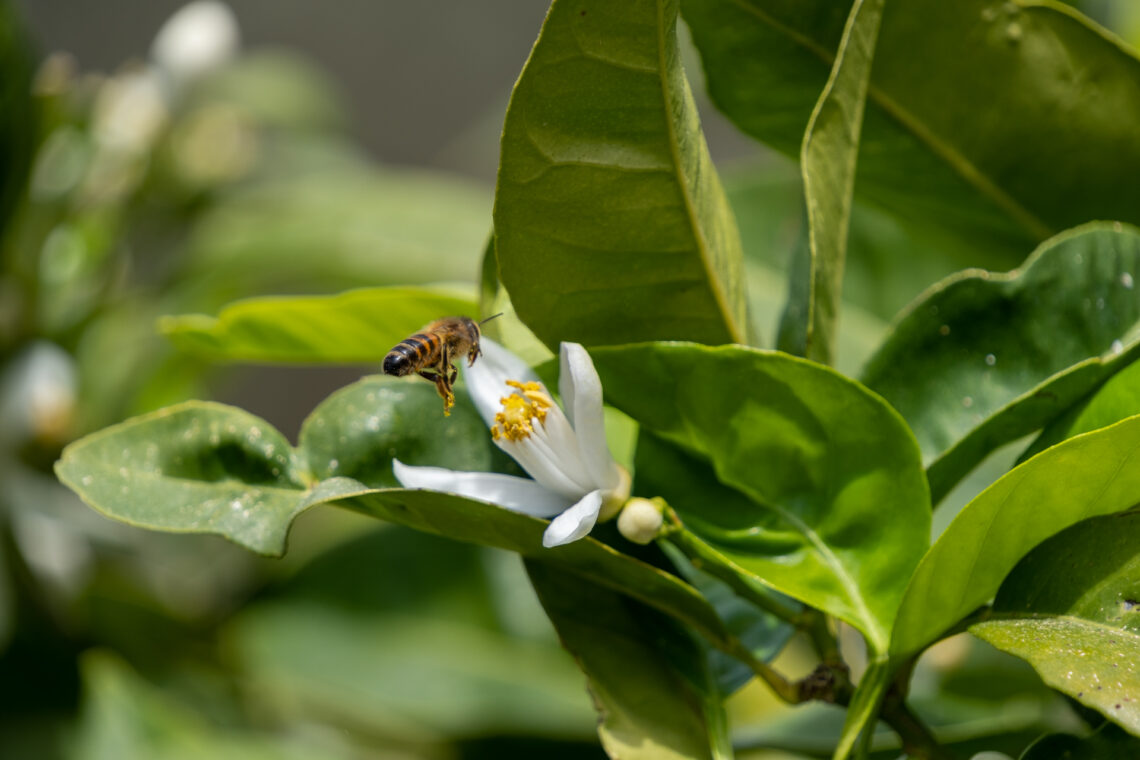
640, 520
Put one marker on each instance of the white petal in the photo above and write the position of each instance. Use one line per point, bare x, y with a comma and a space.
542, 465
575, 522
508, 491
487, 378
581, 391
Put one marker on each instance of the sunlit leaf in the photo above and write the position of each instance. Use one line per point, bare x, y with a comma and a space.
610, 220
796, 467
353, 327
1094, 474
827, 157
1003, 354
931, 157
649, 678
197, 467
1071, 608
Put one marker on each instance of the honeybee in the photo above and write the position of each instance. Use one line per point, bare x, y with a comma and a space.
429, 353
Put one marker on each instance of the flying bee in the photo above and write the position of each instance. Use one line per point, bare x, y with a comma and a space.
430, 352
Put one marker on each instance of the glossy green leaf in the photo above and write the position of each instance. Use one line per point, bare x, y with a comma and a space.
1117, 399
357, 431
827, 158
1011, 351
1071, 608
1107, 743
649, 678
353, 327
197, 467
332, 230
610, 220
208, 468
802, 465
928, 156
1094, 474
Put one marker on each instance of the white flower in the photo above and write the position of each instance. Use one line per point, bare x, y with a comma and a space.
575, 477
197, 39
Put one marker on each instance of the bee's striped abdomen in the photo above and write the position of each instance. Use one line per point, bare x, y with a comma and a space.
412, 354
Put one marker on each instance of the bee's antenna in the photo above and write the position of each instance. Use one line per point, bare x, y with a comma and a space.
488, 319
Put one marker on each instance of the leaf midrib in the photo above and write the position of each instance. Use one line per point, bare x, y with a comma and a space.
965, 168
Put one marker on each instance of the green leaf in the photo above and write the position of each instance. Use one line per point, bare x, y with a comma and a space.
610, 219
332, 230
649, 678
827, 157
1112, 402
1108, 743
197, 467
357, 326
802, 465
208, 468
929, 157
1011, 351
357, 431
1093, 474
1071, 608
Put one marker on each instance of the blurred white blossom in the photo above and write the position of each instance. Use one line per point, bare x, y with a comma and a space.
200, 37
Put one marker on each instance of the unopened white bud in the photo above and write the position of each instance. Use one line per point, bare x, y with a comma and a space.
197, 39
640, 520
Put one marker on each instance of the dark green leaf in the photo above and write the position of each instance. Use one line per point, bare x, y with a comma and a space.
1011, 351
803, 464
648, 676
830, 148
1108, 743
1071, 608
357, 431
931, 157
353, 327
1112, 402
610, 220
1094, 474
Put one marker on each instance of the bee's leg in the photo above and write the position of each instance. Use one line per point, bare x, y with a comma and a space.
446, 379
473, 354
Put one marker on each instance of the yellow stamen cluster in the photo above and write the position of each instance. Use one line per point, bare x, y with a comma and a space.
515, 421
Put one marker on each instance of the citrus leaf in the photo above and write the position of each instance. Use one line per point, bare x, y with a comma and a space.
794, 468
929, 157
827, 158
1071, 608
352, 327
1093, 474
1011, 351
611, 224
649, 678
197, 467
